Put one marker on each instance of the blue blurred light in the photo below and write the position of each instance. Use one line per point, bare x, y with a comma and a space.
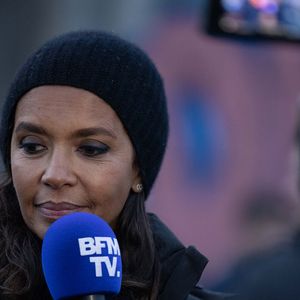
271, 8
203, 138
233, 5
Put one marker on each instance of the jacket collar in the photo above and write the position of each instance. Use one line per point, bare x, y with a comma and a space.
181, 268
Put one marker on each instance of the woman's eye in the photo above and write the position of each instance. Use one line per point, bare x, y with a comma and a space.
93, 150
31, 147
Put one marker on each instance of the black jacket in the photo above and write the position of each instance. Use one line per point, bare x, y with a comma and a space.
181, 267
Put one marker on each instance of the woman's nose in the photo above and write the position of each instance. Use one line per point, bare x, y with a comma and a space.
59, 171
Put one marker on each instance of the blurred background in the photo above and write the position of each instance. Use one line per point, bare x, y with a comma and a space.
228, 182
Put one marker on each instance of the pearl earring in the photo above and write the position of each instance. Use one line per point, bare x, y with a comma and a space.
139, 187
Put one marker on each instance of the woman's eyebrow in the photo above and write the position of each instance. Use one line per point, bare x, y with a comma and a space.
86, 132
27, 126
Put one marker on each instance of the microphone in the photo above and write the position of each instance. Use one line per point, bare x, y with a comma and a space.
81, 258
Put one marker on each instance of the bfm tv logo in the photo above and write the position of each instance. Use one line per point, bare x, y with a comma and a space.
89, 246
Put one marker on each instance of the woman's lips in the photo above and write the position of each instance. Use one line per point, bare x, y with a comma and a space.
55, 210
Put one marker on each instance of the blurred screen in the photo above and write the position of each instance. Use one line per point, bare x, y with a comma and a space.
271, 19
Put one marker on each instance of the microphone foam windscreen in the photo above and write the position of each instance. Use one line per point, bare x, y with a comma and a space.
81, 256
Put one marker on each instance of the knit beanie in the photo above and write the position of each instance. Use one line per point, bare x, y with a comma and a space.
115, 70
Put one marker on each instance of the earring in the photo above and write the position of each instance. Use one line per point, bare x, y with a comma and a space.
139, 187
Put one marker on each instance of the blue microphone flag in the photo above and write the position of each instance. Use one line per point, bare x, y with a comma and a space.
81, 256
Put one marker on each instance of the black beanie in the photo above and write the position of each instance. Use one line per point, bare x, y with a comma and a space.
113, 69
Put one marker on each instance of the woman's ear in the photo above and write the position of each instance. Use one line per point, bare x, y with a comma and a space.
137, 185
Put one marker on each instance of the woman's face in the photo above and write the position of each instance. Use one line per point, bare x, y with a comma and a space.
69, 152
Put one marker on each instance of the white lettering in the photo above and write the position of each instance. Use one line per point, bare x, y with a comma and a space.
90, 246
86, 246
115, 246
111, 245
110, 266
100, 243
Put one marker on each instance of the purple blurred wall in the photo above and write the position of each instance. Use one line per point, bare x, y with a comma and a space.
253, 88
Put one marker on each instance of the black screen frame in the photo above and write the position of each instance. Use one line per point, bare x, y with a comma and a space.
215, 11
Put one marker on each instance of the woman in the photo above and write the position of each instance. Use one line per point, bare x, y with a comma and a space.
84, 128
